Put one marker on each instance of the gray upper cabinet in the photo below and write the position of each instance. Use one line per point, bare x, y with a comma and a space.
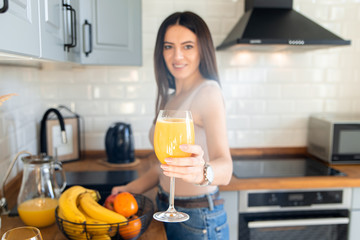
52, 30
19, 27
58, 28
111, 32
92, 32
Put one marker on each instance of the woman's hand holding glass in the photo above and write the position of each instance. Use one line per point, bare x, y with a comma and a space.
189, 169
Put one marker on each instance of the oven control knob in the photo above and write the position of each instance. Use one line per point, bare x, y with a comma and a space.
319, 197
272, 199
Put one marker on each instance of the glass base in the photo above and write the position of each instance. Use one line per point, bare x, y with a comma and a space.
171, 216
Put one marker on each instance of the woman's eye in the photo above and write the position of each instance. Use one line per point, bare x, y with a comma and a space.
167, 46
189, 46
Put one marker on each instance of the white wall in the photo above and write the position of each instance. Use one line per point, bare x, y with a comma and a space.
268, 96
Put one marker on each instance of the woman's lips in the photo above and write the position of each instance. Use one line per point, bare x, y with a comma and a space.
179, 66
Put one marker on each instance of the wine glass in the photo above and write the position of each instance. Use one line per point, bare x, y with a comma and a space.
173, 128
23, 233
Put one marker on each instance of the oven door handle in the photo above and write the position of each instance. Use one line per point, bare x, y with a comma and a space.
298, 222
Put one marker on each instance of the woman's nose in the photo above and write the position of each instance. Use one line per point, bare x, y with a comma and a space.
179, 54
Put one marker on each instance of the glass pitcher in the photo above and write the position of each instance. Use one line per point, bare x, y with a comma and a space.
39, 191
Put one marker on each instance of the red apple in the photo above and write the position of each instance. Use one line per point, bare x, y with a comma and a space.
109, 202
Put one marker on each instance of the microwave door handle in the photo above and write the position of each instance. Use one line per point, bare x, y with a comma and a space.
298, 222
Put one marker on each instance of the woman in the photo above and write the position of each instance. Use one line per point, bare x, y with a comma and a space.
185, 63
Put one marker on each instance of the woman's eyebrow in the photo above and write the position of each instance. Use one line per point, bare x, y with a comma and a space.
187, 42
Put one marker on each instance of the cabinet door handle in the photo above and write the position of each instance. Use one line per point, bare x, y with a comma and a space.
73, 22
72, 44
90, 38
5, 6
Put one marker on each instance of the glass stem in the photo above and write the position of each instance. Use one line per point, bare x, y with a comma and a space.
172, 193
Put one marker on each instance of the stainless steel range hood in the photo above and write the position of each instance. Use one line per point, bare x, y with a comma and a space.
272, 25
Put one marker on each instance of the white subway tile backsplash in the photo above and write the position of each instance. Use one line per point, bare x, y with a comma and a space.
76, 92
326, 60
280, 106
251, 107
311, 75
342, 106
123, 75
280, 75
95, 141
294, 121
248, 139
279, 138
265, 91
309, 106
238, 122
92, 108
265, 122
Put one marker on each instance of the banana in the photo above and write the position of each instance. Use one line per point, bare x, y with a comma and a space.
94, 226
68, 203
72, 230
97, 211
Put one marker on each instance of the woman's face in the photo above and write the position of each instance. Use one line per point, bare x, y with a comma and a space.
181, 52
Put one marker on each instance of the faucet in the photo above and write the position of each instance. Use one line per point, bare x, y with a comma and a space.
43, 147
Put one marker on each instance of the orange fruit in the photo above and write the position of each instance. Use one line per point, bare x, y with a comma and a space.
125, 204
132, 229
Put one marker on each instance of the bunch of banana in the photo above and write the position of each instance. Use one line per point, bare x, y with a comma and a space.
97, 211
84, 217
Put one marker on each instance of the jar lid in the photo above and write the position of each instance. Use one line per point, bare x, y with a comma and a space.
37, 159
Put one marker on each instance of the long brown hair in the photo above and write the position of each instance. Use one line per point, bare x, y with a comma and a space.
207, 67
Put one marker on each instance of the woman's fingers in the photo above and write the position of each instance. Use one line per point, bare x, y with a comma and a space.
118, 189
194, 149
189, 174
189, 161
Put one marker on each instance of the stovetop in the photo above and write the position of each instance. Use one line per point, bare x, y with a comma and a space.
281, 167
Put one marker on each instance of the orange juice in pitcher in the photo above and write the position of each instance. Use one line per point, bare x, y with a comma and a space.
38, 212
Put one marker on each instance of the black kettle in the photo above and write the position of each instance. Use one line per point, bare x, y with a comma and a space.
119, 143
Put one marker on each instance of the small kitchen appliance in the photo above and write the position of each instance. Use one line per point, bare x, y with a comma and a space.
335, 138
119, 143
53, 130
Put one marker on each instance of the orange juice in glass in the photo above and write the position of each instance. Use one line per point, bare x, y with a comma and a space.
38, 212
173, 128
170, 133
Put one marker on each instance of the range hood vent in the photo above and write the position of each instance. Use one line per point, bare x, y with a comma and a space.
272, 25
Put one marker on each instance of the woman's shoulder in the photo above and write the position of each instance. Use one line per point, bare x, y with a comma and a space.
208, 93
209, 88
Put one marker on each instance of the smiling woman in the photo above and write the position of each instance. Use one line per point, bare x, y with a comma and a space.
187, 80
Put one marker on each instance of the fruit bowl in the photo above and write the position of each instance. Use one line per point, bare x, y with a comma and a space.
132, 229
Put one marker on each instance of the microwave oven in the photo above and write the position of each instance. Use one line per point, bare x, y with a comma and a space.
334, 138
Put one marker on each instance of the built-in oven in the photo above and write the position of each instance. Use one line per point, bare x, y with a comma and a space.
317, 214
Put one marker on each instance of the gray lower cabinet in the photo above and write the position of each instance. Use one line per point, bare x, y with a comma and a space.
19, 27
354, 228
111, 32
232, 209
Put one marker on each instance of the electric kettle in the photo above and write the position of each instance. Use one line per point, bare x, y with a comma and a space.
119, 143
